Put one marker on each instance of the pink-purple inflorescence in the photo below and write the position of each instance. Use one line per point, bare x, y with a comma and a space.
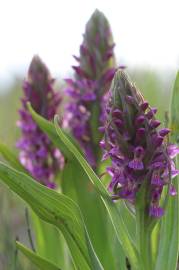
37, 154
93, 76
140, 153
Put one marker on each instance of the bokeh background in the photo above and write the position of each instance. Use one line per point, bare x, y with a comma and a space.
147, 43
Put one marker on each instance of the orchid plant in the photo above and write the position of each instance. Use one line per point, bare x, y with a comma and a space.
101, 179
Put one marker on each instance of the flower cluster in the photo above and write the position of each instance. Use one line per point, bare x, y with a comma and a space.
93, 76
140, 153
37, 154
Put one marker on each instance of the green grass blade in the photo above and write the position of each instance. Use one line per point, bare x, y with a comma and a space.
76, 185
39, 261
72, 148
174, 112
52, 236
56, 209
169, 233
55, 251
11, 157
49, 129
114, 214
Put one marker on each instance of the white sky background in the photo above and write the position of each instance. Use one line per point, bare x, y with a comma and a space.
145, 32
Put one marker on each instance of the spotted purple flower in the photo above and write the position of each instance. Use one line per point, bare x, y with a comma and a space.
37, 154
93, 75
139, 151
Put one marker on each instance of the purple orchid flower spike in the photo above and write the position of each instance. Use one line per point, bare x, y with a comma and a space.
37, 154
139, 151
93, 75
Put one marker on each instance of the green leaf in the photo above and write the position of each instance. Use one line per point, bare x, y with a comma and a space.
56, 209
169, 232
174, 112
128, 218
72, 148
11, 157
49, 128
55, 251
76, 185
39, 261
168, 244
45, 233
114, 214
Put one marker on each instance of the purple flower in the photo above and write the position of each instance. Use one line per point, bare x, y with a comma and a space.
37, 153
93, 75
139, 151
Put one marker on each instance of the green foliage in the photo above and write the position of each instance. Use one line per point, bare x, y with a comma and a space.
166, 236
114, 214
11, 157
49, 243
169, 233
76, 185
56, 209
42, 263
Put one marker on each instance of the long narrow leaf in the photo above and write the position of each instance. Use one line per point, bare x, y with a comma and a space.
48, 128
76, 185
71, 187
114, 214
49, 243
39, 261
169, 234
120, 227
43, 231
56, 209
10, 157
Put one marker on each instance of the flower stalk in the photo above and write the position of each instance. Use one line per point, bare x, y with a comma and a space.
143, 231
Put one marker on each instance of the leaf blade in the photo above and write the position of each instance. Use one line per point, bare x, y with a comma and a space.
113, 212
76, 184
39, 261
169, 242
51, 132
54, 208
10, 157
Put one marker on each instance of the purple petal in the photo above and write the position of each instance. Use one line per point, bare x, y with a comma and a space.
165, 131
136, 164
173, 191
144, 106
156, 211
156, 180
102, 144
154, 123
139, 120
172, 150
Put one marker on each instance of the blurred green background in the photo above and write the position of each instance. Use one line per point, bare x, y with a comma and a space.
156, 87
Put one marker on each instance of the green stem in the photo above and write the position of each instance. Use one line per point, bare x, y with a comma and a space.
144, 240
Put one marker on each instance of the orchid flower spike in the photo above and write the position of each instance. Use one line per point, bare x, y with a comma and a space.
139, 150
92, 77
37, 154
